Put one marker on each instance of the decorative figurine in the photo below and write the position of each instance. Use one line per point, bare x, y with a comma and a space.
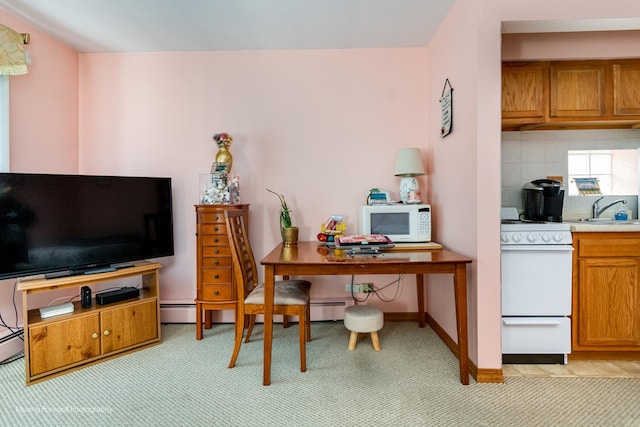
223, 140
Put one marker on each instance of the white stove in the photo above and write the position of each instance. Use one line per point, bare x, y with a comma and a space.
519, 232
536, 274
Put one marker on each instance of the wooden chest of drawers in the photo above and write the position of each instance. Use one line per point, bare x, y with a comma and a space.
215, 283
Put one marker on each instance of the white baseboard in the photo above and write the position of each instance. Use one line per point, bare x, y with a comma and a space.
321, 309
10, 347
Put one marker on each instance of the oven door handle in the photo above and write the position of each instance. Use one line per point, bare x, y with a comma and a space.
536, 321
537, 248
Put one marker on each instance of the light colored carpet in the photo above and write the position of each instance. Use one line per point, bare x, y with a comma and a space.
413, 381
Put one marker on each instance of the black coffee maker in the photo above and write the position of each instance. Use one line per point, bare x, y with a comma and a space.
543, 200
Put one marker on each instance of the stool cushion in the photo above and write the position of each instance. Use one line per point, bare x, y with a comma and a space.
363, 318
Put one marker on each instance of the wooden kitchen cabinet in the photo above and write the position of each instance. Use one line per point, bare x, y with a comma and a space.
525, 96
215, 286
598, 94
606, 295
626, 88
577, 90
63, 343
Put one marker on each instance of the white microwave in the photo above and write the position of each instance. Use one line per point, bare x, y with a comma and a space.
401, 223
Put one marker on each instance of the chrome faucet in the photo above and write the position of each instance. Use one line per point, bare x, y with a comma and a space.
597, 211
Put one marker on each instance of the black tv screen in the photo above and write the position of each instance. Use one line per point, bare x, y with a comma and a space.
73, 224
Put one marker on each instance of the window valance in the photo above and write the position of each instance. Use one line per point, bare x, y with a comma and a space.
13, 56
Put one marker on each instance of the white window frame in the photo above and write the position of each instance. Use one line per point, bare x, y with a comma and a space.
4, 124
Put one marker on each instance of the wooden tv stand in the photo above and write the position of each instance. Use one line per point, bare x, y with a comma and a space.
60, 344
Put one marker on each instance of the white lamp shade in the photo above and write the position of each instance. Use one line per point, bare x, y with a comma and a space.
409, 162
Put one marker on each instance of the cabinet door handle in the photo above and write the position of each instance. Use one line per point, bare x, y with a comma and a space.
95, 335
107, 332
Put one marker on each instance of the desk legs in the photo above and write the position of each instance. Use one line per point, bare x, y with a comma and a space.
269, 282
460, 285
420, 289
460, 279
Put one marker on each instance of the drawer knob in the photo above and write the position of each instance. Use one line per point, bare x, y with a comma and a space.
216, 240
217, 251
217, 276
95, 335
217, 217
107, 332
216, 262
216, 293
216, 229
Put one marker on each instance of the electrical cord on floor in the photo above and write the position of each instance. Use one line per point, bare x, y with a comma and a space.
16, 331
13, 358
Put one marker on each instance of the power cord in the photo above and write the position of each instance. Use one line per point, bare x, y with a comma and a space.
15, 331
378, 291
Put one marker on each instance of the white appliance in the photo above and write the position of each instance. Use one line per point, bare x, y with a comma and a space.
536, 275
401, 223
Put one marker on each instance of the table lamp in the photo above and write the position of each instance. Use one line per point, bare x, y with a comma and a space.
408, 166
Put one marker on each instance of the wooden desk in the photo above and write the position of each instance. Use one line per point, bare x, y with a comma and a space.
311, 258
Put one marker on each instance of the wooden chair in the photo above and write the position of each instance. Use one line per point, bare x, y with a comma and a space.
291, 297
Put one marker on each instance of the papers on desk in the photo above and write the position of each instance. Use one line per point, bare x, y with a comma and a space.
363, 243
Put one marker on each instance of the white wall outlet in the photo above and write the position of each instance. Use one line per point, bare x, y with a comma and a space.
357, 288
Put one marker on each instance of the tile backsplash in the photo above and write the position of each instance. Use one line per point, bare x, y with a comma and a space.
527, 156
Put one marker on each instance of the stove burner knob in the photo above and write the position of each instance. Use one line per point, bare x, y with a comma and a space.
531, 237
516, 237
557, 237
504, 238
546, 238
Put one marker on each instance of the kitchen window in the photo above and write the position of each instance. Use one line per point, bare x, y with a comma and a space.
616, 170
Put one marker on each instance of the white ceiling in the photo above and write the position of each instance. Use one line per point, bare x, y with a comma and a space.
195, 25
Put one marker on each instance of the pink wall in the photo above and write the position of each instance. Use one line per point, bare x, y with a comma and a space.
320, 126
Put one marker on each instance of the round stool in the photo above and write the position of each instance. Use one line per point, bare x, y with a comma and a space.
363, 319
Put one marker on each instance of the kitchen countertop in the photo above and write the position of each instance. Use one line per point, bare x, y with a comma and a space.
604, 226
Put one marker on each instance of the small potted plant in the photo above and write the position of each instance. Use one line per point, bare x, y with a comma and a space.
288, 232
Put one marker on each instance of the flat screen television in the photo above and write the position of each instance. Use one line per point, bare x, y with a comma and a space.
60, 225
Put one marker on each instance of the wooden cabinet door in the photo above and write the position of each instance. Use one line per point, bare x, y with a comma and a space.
129, 325
626, 88
608, 302
524, 91
577, 90
57, 344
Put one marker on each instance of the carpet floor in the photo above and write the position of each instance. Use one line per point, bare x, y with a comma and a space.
412, 381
